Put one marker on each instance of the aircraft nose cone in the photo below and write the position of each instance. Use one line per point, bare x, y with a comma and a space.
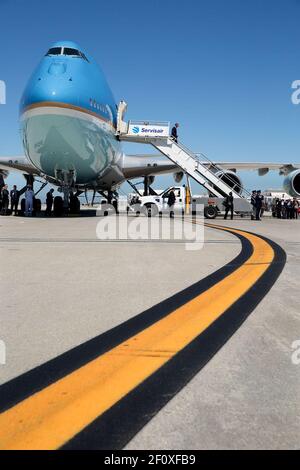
57, 68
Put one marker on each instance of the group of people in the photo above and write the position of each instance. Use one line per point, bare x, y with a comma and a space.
282, 209
9, 200
257, 202
285, 209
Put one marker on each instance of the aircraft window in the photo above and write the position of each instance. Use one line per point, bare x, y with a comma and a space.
74, 52
54, 51
69, 51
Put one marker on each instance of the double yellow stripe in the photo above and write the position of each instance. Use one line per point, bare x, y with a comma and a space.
51, 417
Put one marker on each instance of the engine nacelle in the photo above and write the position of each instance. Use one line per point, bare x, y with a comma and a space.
291, 184
231, 179
178, 177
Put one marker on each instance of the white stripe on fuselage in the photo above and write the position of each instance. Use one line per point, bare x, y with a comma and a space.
70, 112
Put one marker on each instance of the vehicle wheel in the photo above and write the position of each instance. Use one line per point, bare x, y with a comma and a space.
151, 210
210, 212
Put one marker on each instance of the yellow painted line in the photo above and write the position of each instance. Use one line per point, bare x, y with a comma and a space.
51, 417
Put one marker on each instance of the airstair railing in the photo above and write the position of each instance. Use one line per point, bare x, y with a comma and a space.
216, 168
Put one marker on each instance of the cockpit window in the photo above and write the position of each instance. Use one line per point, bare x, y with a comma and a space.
67, 51
74, 53
54, 51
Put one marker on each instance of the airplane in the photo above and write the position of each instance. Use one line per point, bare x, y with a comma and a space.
68, 121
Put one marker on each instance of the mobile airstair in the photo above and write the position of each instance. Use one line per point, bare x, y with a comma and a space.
204, 172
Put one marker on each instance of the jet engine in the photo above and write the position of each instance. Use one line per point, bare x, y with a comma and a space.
291, 184
231, 179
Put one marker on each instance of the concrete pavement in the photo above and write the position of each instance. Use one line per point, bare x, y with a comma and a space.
248, 395
61, 287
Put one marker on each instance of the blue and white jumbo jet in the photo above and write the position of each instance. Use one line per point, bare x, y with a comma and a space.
68, 120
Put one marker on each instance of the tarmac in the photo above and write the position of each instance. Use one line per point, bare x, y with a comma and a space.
60, 287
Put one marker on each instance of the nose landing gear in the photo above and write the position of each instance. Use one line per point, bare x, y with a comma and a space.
69, 203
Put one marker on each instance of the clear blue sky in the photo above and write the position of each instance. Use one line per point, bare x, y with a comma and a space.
223, 69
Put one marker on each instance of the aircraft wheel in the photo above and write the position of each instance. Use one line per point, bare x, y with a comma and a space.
37, 206
58, 206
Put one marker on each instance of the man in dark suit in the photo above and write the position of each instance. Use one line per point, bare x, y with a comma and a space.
253, 204
175, 132
49, 202
228, 203
5, 200
259, 204
171, 202
14, 199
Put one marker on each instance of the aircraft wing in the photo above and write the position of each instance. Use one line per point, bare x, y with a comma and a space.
135, 165
262, 168
20, 164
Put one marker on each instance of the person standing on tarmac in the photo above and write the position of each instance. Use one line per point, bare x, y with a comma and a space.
49, 202
253, 203
175, 132
171, 203
259, 204
14, 199
29, 197
289, 209
295, 208
229, 206
278, 208
5, 200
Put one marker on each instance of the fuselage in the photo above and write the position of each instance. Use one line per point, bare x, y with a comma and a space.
68, 120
